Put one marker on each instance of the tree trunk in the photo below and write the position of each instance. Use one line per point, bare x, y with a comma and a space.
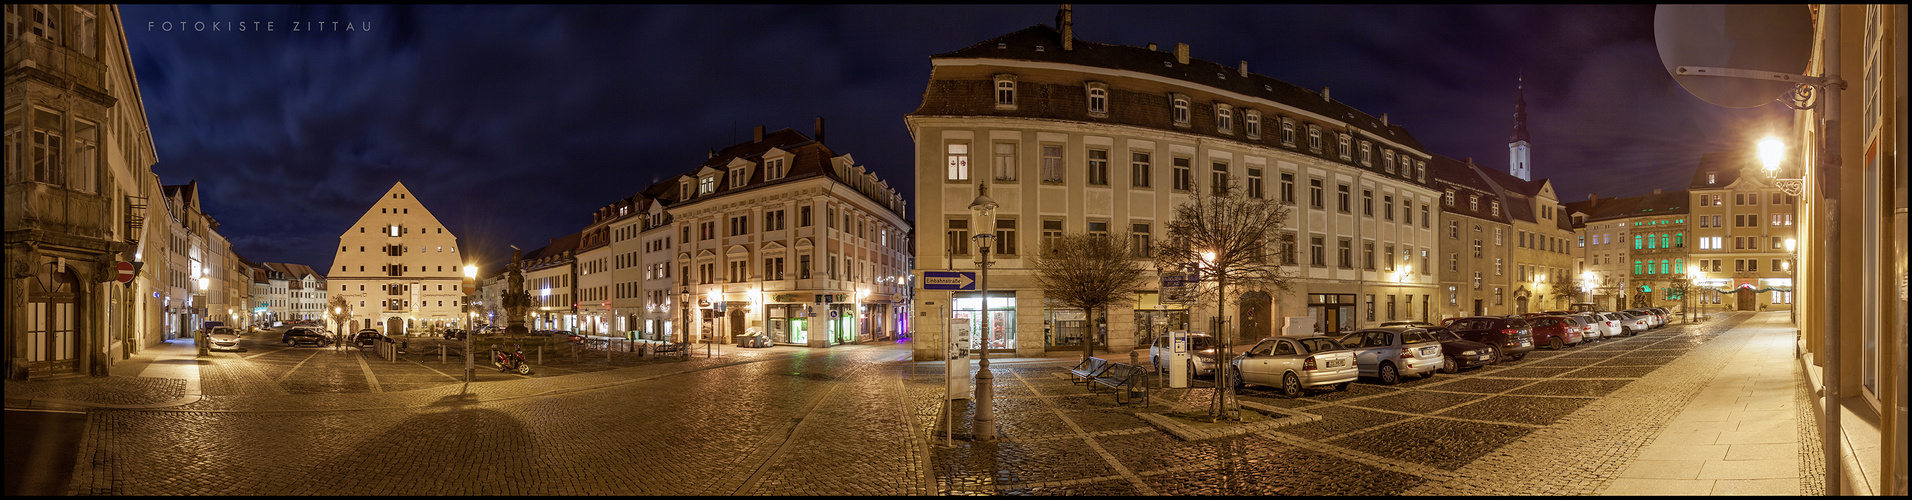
1224, 388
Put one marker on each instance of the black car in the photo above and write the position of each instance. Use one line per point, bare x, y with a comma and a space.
1509, 337
367, 337
304, 336
453, 334
1460, 353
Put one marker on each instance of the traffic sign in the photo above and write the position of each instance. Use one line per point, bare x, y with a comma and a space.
949, 280
126, 271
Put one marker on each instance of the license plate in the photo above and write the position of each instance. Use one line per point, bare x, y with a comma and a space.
1482, 357
1334, 363
1427, 351
1525, 343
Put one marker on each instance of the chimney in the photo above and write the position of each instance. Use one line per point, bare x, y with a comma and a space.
1324, 93
1181, 53
1242, 69
1384, 119
1066, 22
713, 154
1656, 190
819, 129
1152, 46
756, 134
1593, 200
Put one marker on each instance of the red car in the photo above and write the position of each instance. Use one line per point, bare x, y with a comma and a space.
1556, 332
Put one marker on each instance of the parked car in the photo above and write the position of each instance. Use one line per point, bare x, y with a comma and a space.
1422, 324
1635, 323
223, 338
1666, 315
1556, 332
367, 337
1201, 348
1295, 364
1652, 320
304, 336
1390, 352
453, 334
1459, 353
1510, 338
1608, 325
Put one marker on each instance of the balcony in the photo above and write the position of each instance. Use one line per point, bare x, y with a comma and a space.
57, 61
57, 210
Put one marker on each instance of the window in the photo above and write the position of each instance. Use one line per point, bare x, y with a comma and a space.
1287, 187
1179, 109
1218, 178
1316, 255
1005, 161
1314, 138
803, 217
958, 236
1344, 146
1288, 249
1005, 91
1139, 241
1498, 267
1006, 236
773, 220
1098, 167
1099, 228
1496, 207
1453, 230
1344, 199
1367, 255
1314, 193
1387, 207
1051, 163
1098, 98
707, 185
1476, 248
1287, 133
1497, 296
1387, 160
1367, 202
1254, 183
1447, 197
739, 225
1139, 169
1251, 120
736, 177
1366, 154
1370, 308
1224, 118
49, 128
1183, 175
1453, 261
773, 169
1345, 250
958, 161
1497, 240
86, 146
1424, 217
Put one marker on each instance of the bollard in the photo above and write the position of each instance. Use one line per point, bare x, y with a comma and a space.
441, 354
540, 354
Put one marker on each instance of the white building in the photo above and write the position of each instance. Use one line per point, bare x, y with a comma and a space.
551, 276
1080, 137
398, 267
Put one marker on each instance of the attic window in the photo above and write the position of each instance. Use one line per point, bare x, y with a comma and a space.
1038, 48
736, 177
707, 185
1098, 98
1002, 45
1180, 109
1221, 76
1167, 64
1005, 91
773, 169
1268, 88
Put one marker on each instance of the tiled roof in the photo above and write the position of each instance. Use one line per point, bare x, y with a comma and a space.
1450, 172
1042, 43
1725, 167
1633, 206
557, 248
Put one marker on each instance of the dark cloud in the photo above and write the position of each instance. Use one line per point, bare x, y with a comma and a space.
513, 123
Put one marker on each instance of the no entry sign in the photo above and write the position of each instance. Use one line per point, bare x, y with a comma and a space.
125, 271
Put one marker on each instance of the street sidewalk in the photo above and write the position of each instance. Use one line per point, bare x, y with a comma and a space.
161, 375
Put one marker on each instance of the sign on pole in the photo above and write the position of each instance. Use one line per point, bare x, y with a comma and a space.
126, 271
949, 280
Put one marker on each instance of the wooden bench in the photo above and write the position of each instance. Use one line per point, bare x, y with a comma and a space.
1088, 369
1118, 376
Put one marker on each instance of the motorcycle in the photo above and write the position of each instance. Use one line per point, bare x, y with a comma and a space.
509, 361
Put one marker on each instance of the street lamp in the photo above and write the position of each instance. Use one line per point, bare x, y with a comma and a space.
984, 424
1772, 153
1694, 273
471, 371
199, 335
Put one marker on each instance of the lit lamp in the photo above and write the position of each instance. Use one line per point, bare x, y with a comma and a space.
1772, 153
1694, 273
1586, 285
984, 424
471, 372
200, 334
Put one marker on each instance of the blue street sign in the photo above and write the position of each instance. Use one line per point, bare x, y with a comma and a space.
949, 280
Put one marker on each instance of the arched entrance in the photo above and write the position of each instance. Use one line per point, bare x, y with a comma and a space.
1254, 316
395, 326
52, 313
1747, 300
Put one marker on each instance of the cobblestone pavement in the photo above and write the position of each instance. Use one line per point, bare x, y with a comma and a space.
861, 420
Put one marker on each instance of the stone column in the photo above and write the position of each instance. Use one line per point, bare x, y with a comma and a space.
20, 264
89, 332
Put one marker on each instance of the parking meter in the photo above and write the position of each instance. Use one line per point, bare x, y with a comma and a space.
956, 356
1178, 360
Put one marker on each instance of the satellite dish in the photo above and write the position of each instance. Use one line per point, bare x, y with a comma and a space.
1775, 39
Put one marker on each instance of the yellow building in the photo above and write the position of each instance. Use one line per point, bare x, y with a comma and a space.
398, 268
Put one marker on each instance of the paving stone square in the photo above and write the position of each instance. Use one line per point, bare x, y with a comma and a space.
1520, 409
1443, 443
1593, 387
1336, 420
1420, 403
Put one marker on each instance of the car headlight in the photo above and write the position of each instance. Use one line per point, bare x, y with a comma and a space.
1467, 353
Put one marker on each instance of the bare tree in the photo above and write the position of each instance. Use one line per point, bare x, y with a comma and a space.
1226, 238
1563, 290
340, 311
1089, 272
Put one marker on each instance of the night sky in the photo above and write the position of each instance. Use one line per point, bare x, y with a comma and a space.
513, 123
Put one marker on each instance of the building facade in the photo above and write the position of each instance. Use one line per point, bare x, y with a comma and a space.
1741, 221
1474, 245
1070, 136
551, 276
398, 267
1633, 251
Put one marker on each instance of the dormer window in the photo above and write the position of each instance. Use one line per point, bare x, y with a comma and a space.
1473, 203
686, 191
1387, 160
737, 177
707, 185
1495, 208
1346, 144
1287, 132
1447, 198
773, 169
1098, 98
1710, 179
1314, 138
1179, 109
1251, 120
1005, 91
1367, 155
1224, 118
1420, 170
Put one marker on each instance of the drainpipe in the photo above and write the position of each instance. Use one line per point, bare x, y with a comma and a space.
1899, 222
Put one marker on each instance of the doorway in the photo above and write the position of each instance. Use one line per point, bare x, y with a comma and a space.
52, 313
1747, 300
1254, 316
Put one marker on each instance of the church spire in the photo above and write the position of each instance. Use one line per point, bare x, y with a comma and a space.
1519, 155
1520, 112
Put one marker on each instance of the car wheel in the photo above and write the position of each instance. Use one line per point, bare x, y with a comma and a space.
1343, 387
1517, 357
1291, 386
1192, 373
1557, 344
1427, 374
1155, 363
288, 343
1389, 375
1493, 355
1239, 382
524, 369
1450, 366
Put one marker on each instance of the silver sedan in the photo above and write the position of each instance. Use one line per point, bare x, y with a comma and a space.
1296, 363
1394, 351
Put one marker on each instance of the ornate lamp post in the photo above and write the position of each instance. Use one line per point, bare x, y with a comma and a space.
1694, 273
471, 273
199, 334
984, 426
